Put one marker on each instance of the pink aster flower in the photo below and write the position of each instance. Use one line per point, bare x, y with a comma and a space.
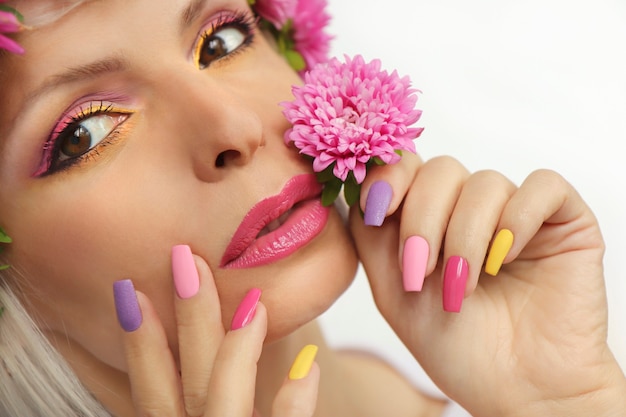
299, 29
9, 23
277, 12
309, 23
349, 115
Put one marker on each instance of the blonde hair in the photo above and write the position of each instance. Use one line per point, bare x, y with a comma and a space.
35, 380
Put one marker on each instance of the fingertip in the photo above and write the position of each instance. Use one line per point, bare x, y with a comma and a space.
127, 307
456, 273
377, 203
500, 248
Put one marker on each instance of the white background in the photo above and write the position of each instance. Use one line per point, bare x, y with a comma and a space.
512, 86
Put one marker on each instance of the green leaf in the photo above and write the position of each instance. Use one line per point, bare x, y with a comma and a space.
331, 191
4, 238
351, 190
3, 267
326, 175
11, 10
378, 161
398, 151
1, 310
295, 59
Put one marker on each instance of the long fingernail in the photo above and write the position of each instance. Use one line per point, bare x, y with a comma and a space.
499, 249
184, 271
126, 305
246, 309
377, 203
414, 262
454, 280
303, 362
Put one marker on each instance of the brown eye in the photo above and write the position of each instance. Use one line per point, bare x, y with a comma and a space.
213, 48
77, 143
80, 138
219, 44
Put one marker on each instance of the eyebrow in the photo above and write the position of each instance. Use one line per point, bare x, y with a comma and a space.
114, 63
79, 73
191, 13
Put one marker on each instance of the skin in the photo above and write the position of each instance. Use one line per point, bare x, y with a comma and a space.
83, 233
118, 214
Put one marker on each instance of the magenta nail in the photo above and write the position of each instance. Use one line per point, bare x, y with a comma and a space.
454, 281
246, 310
377, 203
126, 305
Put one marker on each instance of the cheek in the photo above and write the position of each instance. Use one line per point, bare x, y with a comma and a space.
77, 244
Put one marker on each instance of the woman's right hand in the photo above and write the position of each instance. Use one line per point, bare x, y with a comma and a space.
216, 375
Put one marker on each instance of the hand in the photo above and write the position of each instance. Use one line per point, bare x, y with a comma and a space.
528, 341
217, 369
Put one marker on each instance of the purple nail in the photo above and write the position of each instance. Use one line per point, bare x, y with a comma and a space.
377, 204
126, 305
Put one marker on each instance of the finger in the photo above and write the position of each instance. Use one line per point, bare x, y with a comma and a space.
298, 395
233, 381
199, 324
544, 197
384, 188
470, 229
427, 210
151, 368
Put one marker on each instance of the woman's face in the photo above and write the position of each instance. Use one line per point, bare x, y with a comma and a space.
132, 126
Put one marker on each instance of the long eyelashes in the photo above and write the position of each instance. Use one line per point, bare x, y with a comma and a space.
79, 136
226, 35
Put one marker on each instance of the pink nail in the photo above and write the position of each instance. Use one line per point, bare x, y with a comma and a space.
184, 270
414, 262
454, 280
246, 309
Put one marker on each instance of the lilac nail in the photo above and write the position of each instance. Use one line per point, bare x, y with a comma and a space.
126, 305
377, 204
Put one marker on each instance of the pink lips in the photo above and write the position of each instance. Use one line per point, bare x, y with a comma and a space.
279, 225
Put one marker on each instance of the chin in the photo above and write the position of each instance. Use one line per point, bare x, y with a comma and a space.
311, 285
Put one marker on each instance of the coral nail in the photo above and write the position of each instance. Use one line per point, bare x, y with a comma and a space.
304, 361
454, 281
377, 203
414, 262
499, 249
126, 305
246, 309
184, 271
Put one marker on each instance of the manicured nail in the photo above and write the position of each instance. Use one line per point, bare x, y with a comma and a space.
454, 280
184, 270
377, 203
126, 305
303, 362
414, 262
246, 309
499, 249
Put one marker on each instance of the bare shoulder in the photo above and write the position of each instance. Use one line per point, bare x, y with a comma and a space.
381, 391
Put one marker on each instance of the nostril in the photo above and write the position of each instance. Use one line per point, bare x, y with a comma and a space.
226, 157
220, 161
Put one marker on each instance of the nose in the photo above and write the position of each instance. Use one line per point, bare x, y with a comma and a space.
220, 128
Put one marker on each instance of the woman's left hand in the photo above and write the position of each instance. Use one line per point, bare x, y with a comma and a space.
529, 341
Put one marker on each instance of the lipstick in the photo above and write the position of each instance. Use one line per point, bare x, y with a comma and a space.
279, 225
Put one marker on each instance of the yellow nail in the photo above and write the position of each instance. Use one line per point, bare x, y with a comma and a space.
302, 365
499, 249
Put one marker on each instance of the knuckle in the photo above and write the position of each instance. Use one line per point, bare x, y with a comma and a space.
445, 161
548, 178
195, 404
